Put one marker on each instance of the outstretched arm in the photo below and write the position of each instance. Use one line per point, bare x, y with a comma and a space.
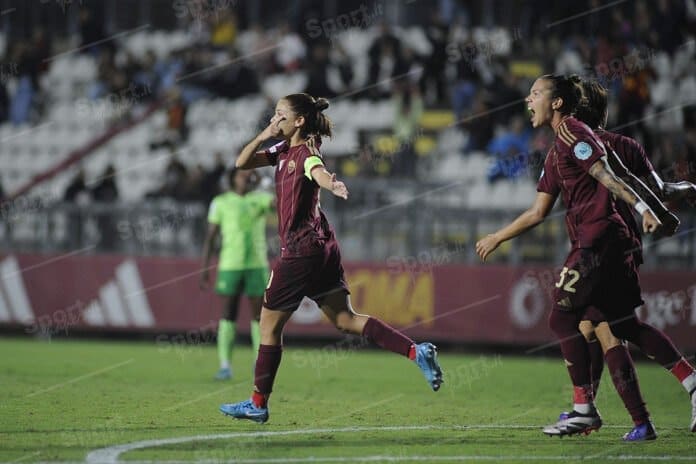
543, 203
327, 180
601, 171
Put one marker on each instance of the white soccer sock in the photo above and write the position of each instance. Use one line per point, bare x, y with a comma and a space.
584, 408
689, 383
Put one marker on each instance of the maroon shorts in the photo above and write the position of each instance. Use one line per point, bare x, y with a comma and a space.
314, 277
604, 277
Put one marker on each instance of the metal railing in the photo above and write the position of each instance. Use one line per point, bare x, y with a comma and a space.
401, 223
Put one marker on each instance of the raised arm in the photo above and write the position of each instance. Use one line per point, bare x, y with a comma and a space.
601, 171
543, 203
250, 157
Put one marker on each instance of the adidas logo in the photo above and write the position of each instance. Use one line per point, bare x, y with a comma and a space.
122, 301
14, 302
565, 302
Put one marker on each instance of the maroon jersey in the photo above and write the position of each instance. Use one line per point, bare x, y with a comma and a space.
302, 226
632, 155
590, 207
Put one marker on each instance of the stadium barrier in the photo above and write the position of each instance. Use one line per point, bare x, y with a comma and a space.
452, 303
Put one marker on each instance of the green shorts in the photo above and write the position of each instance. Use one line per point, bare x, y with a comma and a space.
250, 282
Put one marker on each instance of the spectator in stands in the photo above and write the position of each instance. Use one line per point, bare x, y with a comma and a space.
317, 72
510, 151
384, 55
176, 130
76, 194
105, 192
210, 184
437, 33
4, 102
478, 123
224, 30
408, 109
291, 50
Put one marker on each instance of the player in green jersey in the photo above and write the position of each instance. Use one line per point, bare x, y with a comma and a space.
239, 215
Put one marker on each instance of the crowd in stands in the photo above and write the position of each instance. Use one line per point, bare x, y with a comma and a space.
643, 51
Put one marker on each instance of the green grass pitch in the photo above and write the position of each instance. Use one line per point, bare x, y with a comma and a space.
62, 400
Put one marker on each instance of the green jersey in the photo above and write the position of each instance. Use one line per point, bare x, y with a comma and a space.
242, 222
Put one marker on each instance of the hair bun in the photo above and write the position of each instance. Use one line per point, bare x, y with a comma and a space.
321, 104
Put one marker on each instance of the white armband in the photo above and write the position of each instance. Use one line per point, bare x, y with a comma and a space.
641, 207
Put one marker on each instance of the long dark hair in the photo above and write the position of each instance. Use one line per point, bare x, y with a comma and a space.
316, 122
592, 110
568, 89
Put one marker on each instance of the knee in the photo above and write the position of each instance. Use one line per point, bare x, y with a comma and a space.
587, 330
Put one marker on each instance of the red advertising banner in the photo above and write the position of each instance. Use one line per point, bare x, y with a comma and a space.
453, 303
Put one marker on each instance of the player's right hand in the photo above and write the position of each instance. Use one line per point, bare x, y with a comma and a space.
650, 222
486, 246
272, 130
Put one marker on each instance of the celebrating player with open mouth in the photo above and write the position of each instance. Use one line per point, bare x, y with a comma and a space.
600, 269
310, 261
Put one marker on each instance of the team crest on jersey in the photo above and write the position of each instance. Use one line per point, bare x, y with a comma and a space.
583, 151
291, 166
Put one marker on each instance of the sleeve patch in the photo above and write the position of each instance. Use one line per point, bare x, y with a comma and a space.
582, 151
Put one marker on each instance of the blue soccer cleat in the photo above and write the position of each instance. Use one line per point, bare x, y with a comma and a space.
225, 373
642, 432
426, 358
245, 410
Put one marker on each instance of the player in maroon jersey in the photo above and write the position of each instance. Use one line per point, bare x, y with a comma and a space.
599, 270
310, 259
627, 158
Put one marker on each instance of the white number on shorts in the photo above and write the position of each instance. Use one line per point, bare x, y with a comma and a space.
574, 277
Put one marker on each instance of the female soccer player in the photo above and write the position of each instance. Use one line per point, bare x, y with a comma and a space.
599, 270
240, 216
310, 259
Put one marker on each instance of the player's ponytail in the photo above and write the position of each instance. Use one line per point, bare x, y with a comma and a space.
592, 110
567, 88
316, 122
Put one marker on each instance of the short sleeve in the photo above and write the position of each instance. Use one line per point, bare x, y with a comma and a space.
214, 214
274, 151
547, 180
585, 148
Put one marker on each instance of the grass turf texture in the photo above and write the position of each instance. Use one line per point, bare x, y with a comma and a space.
60, 400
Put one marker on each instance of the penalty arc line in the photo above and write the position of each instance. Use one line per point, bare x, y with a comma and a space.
111, 454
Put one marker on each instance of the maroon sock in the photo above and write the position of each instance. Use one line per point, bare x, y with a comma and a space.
573, 346
623, 374
387, 337
267, 364
596, 363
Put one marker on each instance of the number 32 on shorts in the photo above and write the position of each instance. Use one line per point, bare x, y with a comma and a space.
573, 277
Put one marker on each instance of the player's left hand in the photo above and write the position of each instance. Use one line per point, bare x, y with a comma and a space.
338, 188
650, 222
486, 246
